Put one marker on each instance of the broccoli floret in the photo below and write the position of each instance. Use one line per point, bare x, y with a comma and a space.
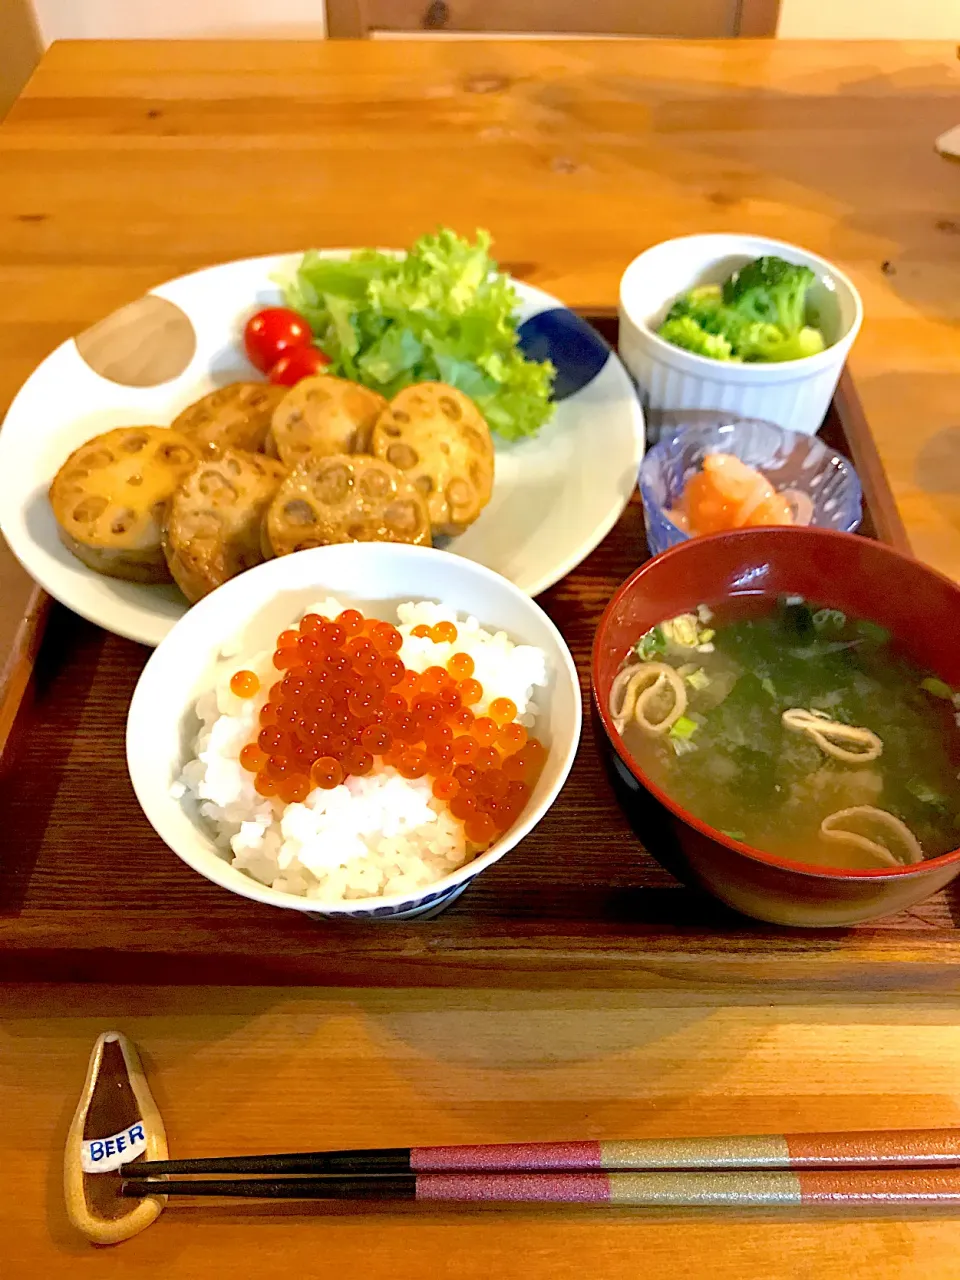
756, 316
771, 291
751, 339
745, 336
702, 303
683, 331
765, 342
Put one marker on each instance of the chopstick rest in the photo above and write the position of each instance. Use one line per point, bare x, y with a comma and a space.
116, 1123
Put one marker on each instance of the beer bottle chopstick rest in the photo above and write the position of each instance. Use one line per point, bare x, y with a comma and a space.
116, 1123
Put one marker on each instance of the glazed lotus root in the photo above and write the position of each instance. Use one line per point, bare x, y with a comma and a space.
236, 416
322, 416
110, 499
438, 438
215, 517
346, 498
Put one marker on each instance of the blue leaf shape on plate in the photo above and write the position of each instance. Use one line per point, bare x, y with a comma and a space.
576, 349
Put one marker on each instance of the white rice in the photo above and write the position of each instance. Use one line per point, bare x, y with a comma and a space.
378, 835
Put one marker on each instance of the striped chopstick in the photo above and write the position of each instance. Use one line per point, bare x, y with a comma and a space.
879, 1149
719, 1189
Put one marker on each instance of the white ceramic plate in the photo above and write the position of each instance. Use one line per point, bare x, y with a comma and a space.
555, 497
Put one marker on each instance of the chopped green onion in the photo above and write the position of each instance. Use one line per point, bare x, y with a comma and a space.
925, 793
682, 746
733, 835
872, 631
767, 685
683, 728
706, 636
829, 618
937, 687
698, 679
652, 642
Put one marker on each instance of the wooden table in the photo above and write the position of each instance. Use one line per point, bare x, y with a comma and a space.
124, 164
247, 1068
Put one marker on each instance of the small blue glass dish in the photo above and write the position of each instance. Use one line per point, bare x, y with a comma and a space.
799, 463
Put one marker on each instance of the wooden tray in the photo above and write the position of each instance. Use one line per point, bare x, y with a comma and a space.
88, 892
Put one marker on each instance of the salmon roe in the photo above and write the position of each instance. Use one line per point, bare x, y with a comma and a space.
413, 764
295, 789
470, 691
465, 749
480, 828
439, 759
326, 773
445, 787
386, 637
463, 805
461, 720
460, 665
502, 711
245, 684
357, 761
252, 758
485, 731
434, 679
408, 685
344, 703
511, 737
351, 620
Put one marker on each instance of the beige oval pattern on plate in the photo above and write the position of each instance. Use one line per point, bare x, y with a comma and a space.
144, 344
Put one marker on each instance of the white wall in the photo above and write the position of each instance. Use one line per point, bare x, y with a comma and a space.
80, 19
869, 19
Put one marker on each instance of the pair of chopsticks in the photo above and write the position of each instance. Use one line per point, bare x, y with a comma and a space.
884, 1167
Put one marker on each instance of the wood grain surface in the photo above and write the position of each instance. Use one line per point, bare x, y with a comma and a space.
256, 1069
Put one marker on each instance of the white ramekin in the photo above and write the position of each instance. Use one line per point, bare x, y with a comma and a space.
795, 394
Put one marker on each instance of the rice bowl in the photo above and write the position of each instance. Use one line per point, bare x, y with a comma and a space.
378, 844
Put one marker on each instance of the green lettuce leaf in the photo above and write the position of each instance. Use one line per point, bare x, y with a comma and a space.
440, 313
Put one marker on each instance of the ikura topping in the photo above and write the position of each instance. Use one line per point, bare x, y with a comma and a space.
344, 704
245, 684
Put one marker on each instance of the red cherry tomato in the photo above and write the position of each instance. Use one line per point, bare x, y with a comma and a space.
273, 332
301, 362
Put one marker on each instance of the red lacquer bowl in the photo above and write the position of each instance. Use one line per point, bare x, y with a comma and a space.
863, 578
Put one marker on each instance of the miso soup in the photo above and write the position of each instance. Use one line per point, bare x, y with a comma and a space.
798, 730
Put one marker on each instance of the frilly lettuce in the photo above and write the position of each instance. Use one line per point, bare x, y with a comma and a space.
440, 313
